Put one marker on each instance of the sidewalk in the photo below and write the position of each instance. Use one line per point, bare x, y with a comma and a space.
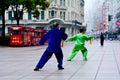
103, 63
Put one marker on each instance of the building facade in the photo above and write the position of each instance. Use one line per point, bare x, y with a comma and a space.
69, 13
93, 15
113, 14
117, 14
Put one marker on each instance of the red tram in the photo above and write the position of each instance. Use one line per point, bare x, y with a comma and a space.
25, 36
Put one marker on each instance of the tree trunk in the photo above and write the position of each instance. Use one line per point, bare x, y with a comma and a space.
18, 21
3, 24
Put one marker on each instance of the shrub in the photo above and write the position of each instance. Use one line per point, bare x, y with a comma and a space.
5, 41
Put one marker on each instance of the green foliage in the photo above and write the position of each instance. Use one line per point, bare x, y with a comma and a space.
43, 4
29, 5
4, 5
0, 11
18, 6
5, 41
35, 13
40, 4
23, 4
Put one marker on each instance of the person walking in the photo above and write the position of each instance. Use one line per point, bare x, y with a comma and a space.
54, 37
101, 39
79, 45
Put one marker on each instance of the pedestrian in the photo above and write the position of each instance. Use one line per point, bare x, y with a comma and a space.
101, 39
80, 39
55, 36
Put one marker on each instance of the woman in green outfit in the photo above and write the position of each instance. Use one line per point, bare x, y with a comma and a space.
79, 45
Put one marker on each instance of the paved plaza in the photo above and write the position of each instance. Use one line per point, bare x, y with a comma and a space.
17, 63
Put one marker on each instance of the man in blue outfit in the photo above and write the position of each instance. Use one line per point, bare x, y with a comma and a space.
54, 37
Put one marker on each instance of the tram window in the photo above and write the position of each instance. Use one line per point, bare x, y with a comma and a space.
39, 34
32, 33
15, 32
23, 32
35, 34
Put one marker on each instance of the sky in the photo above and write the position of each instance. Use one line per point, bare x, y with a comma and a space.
89, 8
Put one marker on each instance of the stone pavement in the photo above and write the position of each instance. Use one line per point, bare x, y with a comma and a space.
17, 63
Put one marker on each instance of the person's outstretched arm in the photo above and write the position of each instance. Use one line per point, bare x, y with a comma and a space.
72, 38
44, 39
88, 37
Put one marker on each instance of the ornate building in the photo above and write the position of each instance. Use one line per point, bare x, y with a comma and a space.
69, 13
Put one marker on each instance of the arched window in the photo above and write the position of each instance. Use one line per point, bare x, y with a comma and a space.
9, 15
52, 13
29, 16
61, 2
42, 15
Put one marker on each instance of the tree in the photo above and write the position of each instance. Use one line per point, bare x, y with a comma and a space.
4, 5
18, 6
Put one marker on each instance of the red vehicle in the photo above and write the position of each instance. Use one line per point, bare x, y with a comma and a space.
25, 36
38, 33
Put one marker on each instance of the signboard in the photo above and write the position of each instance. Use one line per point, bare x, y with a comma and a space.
118, 23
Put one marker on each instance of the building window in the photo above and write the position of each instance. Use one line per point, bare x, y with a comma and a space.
68, 2
61, 2
56, 14
63, 15
9, 15
72, 31
0, 17
52, 13
64, 2
42, 15
68, 16
8, 30
49, 14
29, 16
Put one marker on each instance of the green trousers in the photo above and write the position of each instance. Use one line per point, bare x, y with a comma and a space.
75, 51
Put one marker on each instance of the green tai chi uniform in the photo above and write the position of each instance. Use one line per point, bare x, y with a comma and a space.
79, 45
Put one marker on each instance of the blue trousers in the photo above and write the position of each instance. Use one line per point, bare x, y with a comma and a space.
47, 55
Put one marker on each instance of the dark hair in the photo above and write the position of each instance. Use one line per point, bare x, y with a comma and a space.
81, 30
55, 24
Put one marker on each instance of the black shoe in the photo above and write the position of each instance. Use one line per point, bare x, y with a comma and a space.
36, 69
68, 60
60, 68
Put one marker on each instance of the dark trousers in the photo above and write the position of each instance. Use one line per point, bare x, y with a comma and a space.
102, 42
47, 55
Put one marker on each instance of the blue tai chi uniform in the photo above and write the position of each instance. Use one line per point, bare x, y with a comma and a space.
54, 37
